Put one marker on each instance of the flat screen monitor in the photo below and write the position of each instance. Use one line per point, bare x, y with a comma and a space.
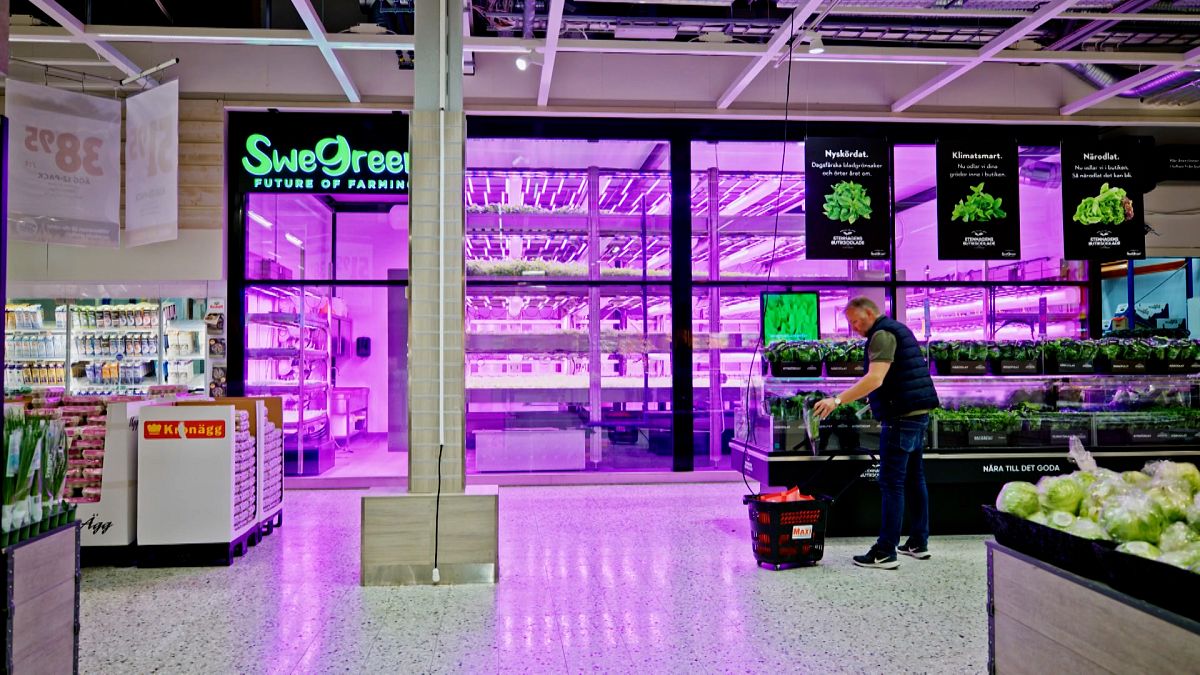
790, 316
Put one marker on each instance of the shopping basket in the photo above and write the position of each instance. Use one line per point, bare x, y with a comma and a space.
788, 534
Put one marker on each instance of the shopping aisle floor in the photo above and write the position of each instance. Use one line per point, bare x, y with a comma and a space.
615, 579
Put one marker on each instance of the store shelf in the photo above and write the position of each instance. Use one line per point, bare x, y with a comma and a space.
35, 387
116, 329
113, 357
277, 388
286, 319
185, 357
285, 353
35, 331
33, 359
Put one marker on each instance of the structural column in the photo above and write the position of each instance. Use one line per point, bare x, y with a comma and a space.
439, 531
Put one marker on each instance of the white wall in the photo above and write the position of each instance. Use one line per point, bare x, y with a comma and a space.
197, 255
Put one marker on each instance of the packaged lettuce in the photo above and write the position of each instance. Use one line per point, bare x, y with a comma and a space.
1087, 529
1060, 519
1060, 493
1039, 518
1140, 548
1132, 517
1185, 557
1178, 536
1136, 478
1172, 502
1174, 474
1018, 498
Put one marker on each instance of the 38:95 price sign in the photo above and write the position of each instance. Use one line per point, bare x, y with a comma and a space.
71, 153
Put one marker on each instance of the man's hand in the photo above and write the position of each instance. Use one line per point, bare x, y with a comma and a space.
824, 407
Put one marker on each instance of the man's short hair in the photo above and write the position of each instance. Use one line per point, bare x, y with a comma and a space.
862, 302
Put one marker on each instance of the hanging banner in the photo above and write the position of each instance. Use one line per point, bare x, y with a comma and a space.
1102, 202
152, 166
317, 152
847, 199
64, 166
978, 203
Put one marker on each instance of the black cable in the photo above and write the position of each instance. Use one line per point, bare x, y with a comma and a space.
787, 101
437, 506
1160, 285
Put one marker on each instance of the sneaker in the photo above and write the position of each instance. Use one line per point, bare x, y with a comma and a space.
877, 559
918, 552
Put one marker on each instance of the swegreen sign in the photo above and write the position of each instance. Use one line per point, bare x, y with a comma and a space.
319, 152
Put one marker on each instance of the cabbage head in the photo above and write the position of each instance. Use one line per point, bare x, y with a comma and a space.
1039, 518
1085, 479
1185, 557
1087, 529
1193, 512
1108, 484
1180, 474
1140, 548
1136, 478
1060, 493
1178, 536
1132, 517
1173, 503
1018, 498
1060, 520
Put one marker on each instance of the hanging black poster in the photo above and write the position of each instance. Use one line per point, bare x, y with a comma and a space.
1102, 202
978, 206
847, 199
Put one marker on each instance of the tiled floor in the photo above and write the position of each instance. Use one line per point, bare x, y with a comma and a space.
647, 579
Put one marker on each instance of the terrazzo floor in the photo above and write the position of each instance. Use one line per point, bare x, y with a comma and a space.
614, 579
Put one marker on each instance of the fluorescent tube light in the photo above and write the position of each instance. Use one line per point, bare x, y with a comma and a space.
293, 240
261, 221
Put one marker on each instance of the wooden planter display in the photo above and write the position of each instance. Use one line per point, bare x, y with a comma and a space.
41, 603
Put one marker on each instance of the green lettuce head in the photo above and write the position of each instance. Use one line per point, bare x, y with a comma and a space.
1136, 478
1018, 498
1173, 503
1178, 536
1179, 475
1187, 558
1039, 518
1061, 520
1087, 529
1140, 548
1060, 493
1132, 517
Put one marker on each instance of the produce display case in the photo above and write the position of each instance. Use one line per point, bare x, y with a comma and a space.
104, 347
990, 430
288, 355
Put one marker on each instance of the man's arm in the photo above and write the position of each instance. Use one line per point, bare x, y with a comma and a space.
860, 389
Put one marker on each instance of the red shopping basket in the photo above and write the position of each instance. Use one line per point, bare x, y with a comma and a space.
787, 534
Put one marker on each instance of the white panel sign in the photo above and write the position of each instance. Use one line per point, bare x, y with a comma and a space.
152, 166
64, 166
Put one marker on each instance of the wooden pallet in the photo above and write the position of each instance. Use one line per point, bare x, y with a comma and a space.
40, 614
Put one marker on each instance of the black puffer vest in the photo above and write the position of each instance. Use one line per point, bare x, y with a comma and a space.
907, 385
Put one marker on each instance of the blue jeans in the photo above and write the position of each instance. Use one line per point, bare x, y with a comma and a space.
901, 480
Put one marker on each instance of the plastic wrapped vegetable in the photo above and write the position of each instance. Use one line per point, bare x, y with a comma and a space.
1018, 498
1172, 502
1087, 529
1193, 512
1136, 478
1132, 517
1178, 536
1085, 479
1175, 474
1101, 491
1185, 557
1060, 493
1140, 548
1060, 520
1039, 518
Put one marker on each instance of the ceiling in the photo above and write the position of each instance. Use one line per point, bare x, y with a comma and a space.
1077, 59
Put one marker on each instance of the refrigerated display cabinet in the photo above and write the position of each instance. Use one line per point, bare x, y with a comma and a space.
105, 346
288, 355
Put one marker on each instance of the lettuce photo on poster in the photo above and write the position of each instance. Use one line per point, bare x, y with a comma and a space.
790, 316
848, 202
1110, 207
978, 207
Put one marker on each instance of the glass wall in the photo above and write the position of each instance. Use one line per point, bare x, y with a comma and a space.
1162, 295
567, 256
332, 339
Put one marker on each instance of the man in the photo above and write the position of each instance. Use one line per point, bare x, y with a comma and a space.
901, 396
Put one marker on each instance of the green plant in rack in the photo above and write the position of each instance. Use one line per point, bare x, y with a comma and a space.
788, 316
